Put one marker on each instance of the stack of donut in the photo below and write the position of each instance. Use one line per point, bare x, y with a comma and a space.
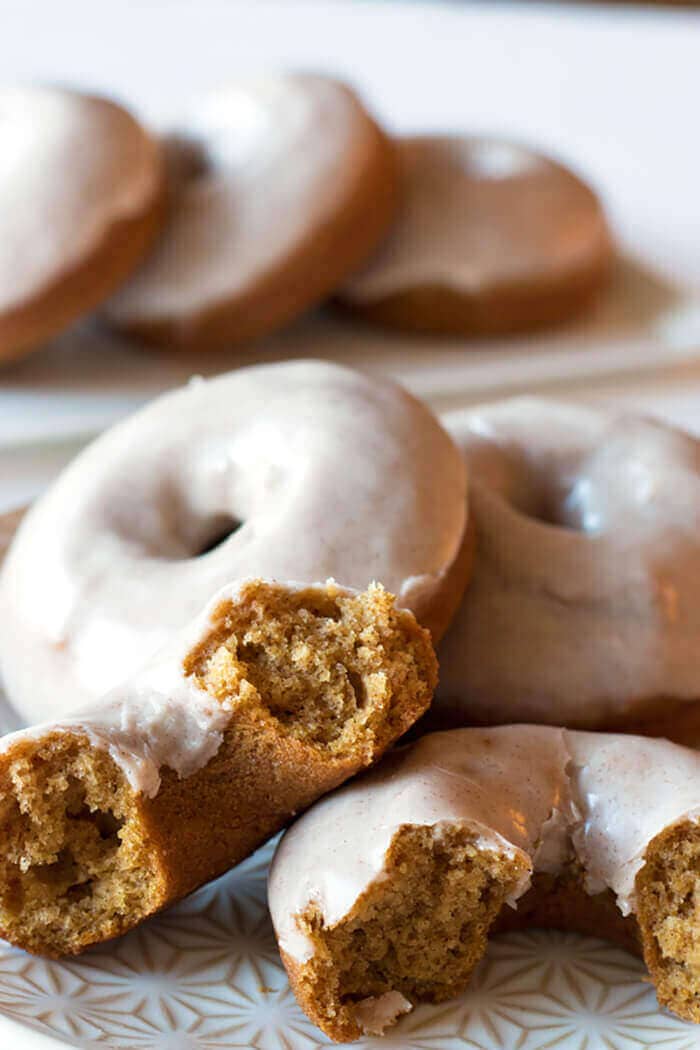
228, 605
271, 196
250, 591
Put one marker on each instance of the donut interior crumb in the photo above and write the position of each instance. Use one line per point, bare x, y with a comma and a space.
668, 890
74, 863
327, 666
420, 931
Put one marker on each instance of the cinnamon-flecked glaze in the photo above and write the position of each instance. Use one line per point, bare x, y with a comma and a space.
81, 185
490, 236
281, 187
307, 470
160, 717
549, 795
584, 607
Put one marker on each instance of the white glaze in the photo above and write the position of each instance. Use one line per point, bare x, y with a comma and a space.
377, 1013
629, 790
159, 717
275, 157
478, 214
582, 618
333, 474
59, 198
609, 795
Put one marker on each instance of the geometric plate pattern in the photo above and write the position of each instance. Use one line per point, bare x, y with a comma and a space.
205, 975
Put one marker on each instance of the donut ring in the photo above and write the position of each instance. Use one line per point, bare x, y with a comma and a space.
384, 893
584, 608
491, 238
307, 469
82, 191
281, 188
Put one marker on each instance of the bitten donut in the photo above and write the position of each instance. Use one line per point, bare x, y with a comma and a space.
299, 471
491, 237
282, 186
384, 893
276, 694
81, 199
584, 608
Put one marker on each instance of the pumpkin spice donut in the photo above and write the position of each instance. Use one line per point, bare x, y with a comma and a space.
384, 893
282, 186
299, 471
491, 237
81, 200
273, 696
584, 607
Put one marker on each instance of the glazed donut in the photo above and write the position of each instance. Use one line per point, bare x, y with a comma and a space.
299, 471
282, 186
275, 695
584, 608
81, 199
491, 237
383, 894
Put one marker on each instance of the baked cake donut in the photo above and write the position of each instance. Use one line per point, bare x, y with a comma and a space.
282, 186
81, 199
584, 607
276, 694
384, 893
299, 471
491, 237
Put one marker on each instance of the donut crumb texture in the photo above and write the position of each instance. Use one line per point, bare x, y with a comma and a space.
668, 893
74, 866
420, 931
327, 665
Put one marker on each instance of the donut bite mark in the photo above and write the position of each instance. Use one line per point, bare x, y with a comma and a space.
82, 187
490, 238
281, 694
384, 894
281, 187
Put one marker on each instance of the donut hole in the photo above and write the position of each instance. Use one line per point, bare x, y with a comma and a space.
73, 860
217, 533
552, 502
186, 160
418, 931
668, 889
554, 509
544, 492
326, 665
